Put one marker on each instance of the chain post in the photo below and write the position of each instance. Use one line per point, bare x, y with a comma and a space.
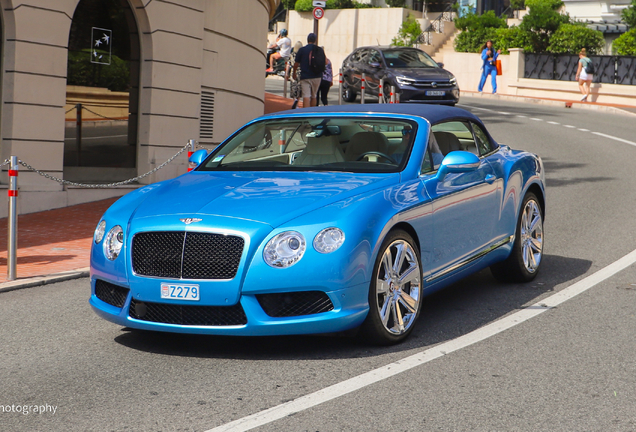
392, 94
340, 87
12, 226
286, 79
380, 93
362, 87
192, 147
78, 132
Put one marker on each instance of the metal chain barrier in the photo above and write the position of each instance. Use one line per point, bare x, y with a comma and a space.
102, 116
69, 110
100, 186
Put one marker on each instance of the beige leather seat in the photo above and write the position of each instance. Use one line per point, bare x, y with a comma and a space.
447, 142
320, 151
363, 142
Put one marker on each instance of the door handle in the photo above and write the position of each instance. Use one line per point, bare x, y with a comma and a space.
490, 179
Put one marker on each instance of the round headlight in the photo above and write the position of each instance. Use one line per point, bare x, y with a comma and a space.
285, 249
114, 242
329, 240
100, 231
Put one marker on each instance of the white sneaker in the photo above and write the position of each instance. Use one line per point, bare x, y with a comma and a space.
584, 99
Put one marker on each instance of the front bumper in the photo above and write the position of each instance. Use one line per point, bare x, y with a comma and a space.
415, 94
350, 307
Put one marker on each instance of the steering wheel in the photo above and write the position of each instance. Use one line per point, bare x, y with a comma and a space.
382, 155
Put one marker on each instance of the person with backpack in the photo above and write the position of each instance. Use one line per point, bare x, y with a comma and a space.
585, 74
311, 59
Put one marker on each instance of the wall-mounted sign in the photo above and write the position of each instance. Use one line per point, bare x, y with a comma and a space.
102, 41
318, 3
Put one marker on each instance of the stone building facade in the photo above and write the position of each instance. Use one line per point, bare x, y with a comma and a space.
149, 75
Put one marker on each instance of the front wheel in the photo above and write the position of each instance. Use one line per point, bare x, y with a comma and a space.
395, 291
348, 94
527, 251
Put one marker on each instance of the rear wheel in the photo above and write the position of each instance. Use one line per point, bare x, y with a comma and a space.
527, 251
395, 292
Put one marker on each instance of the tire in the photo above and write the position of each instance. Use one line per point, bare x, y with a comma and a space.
395, 291
349, 94
527, 250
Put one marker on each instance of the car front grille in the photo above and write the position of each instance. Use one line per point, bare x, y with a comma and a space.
112, 294
188, 315
429, 84
177, 255
295, 303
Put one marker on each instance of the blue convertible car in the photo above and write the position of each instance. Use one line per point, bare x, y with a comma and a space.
321, 220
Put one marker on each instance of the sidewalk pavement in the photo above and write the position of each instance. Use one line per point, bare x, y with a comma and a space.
55, 245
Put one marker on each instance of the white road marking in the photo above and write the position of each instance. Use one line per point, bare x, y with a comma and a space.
584, 130
522, 116
554, 123
569, 126
615, 138
536, 119
356, 383
503, 112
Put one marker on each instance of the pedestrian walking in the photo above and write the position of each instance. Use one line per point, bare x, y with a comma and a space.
489, 66
585, 74
325, 83
311, 60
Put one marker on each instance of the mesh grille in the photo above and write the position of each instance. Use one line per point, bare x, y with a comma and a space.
111, 294
211, 256
188, 315
158, 254
179, 255
295, 303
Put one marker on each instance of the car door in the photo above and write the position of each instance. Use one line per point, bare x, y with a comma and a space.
373, 70
465, 207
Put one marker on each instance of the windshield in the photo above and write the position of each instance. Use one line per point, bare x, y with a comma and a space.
316, 144
408, 58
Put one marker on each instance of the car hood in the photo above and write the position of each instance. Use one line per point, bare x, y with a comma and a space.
268, 197
423, 73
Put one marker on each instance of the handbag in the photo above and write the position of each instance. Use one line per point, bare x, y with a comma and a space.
498, 64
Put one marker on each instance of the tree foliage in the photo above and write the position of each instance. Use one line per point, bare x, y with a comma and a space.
629, 15
625, 44
472, 22
81, 72
476, 30
570, 38
307, 6
540, 23
396, 3
409, 31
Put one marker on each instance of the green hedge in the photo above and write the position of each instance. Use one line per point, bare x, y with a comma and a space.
625, 44
81, 72
570, 38
307, 6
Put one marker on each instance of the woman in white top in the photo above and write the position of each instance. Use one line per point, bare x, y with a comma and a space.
584, 78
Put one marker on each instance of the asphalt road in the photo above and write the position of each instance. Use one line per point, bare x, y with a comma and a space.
570, 368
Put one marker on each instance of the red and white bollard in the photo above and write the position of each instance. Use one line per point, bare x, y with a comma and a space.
380, 94
281, 141
192, 143
12, 237
392, 100
362, 87
340, 88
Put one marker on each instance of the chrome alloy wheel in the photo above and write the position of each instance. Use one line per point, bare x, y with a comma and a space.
531, 236
398, 287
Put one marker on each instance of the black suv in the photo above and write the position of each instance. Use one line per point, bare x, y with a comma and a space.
415, 75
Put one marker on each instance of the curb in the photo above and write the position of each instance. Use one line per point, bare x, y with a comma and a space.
553, 102
44, 280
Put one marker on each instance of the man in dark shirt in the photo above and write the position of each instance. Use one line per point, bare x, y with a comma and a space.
309, 81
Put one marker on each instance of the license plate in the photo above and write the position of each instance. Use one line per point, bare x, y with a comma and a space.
180, 292
435, 93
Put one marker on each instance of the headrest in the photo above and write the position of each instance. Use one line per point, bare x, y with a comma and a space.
324, 145
447, 142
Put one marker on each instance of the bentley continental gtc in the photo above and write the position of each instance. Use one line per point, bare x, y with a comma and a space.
321, 220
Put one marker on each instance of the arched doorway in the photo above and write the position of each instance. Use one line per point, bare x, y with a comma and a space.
102, 93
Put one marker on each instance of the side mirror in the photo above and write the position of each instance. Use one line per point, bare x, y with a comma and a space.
196, 158
440, 64
458, 162
375, 65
